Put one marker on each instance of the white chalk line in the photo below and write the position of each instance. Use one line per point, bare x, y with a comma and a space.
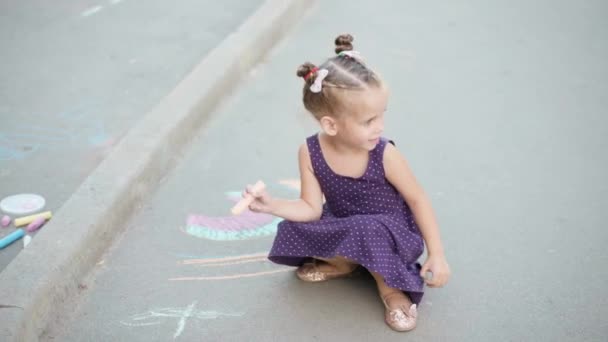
89, 12
138, 324
182, 321
182, 313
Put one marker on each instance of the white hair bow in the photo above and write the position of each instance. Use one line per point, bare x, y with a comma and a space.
352, 54
318, 83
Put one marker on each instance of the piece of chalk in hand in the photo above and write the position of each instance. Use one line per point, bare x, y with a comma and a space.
248, 199
36, 224
6, 220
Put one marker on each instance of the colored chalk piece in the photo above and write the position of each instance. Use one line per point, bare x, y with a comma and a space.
26, 240
6, 220
34, 225
246, 201
12, 237
22, 221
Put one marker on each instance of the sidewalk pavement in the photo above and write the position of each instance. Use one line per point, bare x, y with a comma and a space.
486, 105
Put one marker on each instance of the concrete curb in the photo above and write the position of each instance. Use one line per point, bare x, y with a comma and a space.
84, 227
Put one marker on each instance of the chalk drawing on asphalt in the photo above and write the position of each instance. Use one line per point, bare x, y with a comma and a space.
98, 8
182, 315
72, 128
248, 225
225, 261
232, 276
229, 228
230, 261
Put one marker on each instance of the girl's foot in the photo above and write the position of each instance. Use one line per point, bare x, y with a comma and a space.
400, 313
318, 271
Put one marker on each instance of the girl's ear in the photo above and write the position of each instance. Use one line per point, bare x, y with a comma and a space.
329, 126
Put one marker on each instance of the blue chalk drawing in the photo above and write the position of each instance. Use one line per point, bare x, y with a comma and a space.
75, 127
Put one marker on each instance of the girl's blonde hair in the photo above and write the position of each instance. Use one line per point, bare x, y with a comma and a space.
345, 72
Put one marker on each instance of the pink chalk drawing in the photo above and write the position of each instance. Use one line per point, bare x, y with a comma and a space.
230, 228
214, 262
230, 261
248, 225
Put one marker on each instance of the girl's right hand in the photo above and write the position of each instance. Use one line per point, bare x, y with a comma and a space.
262, 200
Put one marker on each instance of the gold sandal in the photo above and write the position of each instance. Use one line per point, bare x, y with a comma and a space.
401, 318
310, 272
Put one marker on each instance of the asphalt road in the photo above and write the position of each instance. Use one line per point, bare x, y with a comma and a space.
76, 75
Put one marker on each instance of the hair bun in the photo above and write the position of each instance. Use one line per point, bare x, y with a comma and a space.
305, 69
344, 42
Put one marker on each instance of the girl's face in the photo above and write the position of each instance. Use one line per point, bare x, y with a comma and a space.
362, 122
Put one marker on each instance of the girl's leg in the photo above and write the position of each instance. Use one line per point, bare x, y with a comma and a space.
394, 297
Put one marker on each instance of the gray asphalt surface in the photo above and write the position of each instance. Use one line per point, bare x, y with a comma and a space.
75, 76
500, 109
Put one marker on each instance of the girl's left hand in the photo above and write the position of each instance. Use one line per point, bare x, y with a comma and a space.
440, 269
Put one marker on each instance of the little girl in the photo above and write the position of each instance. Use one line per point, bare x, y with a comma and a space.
376, 215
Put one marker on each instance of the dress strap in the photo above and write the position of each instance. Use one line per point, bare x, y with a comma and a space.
314, 150
377, 157
377, 153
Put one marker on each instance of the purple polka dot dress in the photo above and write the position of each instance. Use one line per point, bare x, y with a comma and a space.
364, 219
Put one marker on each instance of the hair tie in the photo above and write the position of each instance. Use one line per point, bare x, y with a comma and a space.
310, 73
